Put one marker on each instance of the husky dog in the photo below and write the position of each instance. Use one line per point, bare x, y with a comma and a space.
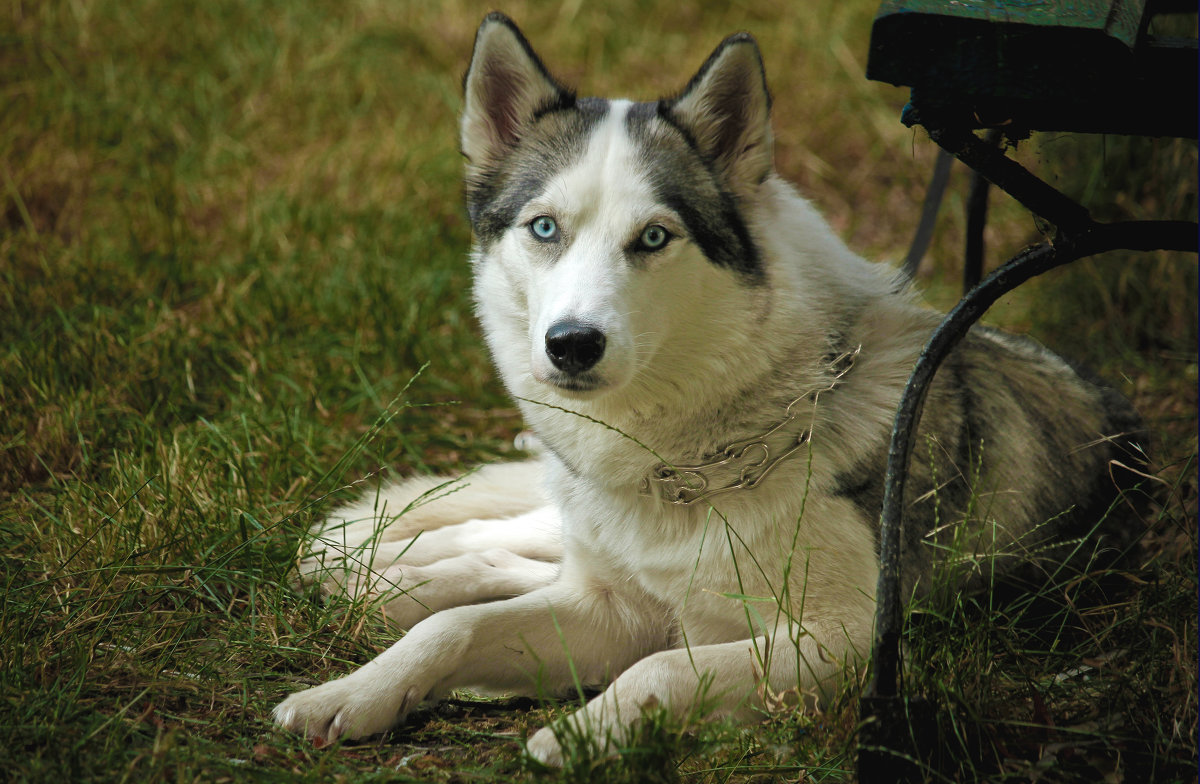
711, 376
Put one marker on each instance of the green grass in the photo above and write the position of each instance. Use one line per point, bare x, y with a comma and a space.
233, 282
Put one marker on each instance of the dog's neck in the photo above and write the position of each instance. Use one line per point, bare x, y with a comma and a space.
744, 464
716, 434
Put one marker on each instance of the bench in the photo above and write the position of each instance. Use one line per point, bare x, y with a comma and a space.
1011, 68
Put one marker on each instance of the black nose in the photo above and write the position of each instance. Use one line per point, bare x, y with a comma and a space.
574, 348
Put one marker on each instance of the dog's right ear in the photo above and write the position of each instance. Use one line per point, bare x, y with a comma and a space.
506, 87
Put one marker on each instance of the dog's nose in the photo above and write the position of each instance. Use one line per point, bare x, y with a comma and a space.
574, 348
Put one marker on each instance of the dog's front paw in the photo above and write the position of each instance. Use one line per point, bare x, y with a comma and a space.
583, 741
351, 707
545, 748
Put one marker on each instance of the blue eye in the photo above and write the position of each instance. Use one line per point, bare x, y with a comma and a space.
544, 228
654, 237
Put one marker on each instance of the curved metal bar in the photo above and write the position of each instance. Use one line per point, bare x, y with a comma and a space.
888, 616
1133, 235
893, 726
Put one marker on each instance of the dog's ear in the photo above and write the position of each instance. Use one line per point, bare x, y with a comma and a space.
727, 110
505, 88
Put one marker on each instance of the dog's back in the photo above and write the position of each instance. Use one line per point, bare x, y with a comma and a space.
1018, 467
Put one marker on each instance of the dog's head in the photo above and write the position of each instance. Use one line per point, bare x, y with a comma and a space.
610, 236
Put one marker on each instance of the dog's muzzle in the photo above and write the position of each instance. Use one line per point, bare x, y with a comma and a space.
574, 348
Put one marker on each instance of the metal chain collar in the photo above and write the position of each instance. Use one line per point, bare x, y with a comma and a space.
749, 460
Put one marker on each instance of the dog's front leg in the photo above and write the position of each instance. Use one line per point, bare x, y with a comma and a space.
735, 680
535, 643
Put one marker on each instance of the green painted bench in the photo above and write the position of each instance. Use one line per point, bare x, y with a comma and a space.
1037, 65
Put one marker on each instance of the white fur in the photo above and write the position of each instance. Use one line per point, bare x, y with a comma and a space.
421, 546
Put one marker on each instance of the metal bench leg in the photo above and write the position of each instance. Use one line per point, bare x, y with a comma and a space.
977, 205
891, 746
929, 211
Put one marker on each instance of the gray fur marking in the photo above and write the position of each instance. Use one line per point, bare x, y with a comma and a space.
685, 183
557, 140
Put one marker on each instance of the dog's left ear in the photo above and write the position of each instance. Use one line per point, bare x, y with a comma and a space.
506, 87
727, 110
